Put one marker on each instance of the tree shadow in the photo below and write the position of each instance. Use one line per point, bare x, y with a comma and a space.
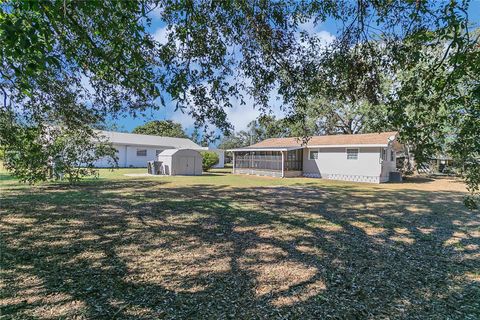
139, 249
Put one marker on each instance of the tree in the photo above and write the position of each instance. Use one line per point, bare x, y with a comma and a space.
215, 52
165, 128
57, 153
209, 159
232, 141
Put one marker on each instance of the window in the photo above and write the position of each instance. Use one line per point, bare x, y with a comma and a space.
141, 152
352, 154
392, 155
313, 155
157, 152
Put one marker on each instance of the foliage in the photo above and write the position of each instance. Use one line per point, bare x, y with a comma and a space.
166, 128
232, 141
218, 52
34, 153
209, 159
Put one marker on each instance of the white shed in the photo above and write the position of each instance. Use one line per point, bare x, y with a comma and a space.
186, 162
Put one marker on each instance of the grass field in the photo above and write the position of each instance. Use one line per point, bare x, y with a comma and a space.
224, 246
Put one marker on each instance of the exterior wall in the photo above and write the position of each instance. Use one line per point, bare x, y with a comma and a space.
268, 173
221, 158
388, 165
127, 156
166, 164
256, 172
332, 163
177, 163
292, 174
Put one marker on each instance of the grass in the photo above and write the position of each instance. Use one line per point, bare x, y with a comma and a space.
225, 246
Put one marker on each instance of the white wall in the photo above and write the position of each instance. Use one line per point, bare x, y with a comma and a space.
388, 165
332, 163
127, 156
221, 158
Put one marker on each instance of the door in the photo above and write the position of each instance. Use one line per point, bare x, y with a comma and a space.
187, 165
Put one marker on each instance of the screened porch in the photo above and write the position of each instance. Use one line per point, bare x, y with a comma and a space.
268, 162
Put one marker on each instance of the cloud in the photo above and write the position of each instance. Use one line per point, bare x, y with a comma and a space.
161, 35
156, 13
239, 115
314, 30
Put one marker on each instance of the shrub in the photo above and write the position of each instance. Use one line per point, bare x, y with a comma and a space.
209, 159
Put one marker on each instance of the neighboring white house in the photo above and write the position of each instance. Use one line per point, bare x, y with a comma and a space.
361, 157
135, 150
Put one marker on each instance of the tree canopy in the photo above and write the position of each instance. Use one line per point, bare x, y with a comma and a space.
166, 128
100, 55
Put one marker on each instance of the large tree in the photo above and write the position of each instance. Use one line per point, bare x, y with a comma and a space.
166, 128
217, 51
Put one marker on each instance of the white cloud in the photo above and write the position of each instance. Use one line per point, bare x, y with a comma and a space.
156, 13
239, 116
161, 35
314, 30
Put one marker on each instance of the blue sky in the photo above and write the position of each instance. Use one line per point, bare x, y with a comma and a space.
239, 116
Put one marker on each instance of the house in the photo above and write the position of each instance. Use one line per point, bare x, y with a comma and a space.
135, 150
361, 157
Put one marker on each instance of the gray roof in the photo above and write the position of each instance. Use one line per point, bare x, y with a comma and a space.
168, 152
148, 140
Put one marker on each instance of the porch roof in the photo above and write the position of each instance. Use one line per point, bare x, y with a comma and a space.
265, 149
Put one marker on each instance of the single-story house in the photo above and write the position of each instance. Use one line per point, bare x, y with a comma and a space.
360, 157
135, 150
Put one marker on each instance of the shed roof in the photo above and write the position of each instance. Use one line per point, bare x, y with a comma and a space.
171, 152
148, 140
340, 140
168, 152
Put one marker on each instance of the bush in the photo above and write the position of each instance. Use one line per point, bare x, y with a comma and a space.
209, 159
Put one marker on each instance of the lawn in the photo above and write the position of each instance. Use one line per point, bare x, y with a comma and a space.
225, 246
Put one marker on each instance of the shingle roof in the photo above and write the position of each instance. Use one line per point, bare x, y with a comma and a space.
381, 138
148, 140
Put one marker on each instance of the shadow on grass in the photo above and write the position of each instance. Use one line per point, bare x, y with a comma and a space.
137, 249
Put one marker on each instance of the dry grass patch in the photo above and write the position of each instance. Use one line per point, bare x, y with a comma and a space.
221, 246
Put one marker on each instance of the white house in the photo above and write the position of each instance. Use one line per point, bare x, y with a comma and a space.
361, 157
135, 150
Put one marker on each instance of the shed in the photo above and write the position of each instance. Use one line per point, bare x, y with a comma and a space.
186, 162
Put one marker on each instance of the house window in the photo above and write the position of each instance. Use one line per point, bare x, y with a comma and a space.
141, 152
352, 154
392, 155
313, 155
157, 152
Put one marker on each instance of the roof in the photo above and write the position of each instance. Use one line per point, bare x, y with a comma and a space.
168, 152
148, 140
171, 152
341, 140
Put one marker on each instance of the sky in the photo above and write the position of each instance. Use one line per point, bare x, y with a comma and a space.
239, 115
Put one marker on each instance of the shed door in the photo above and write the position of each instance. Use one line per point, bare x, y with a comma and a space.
187, 165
